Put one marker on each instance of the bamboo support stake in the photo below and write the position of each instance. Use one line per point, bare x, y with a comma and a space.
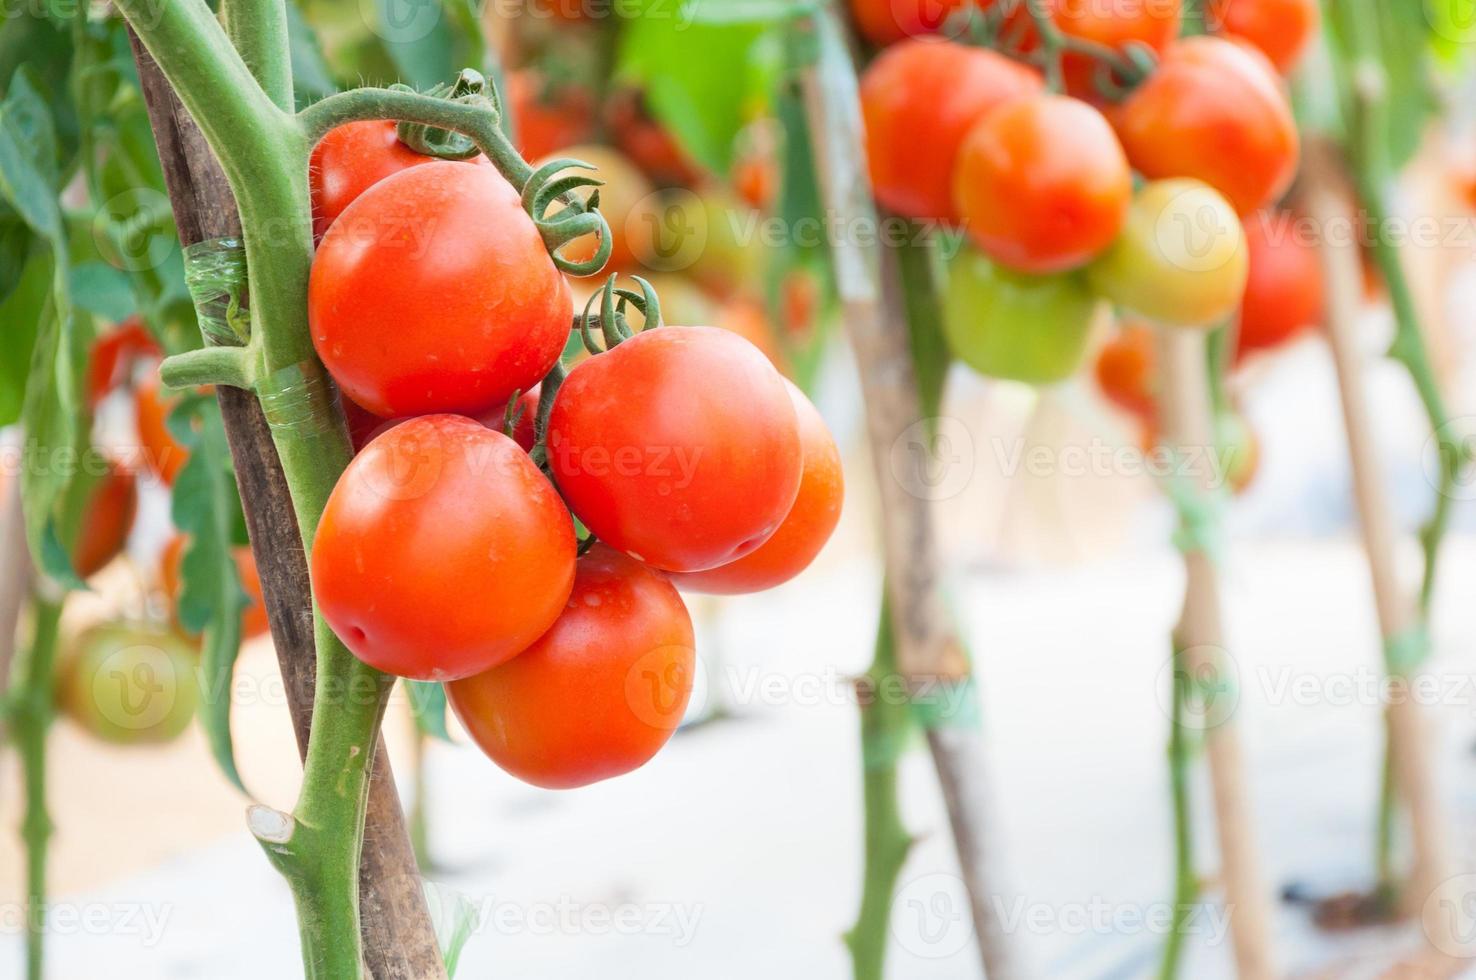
1395, 605
15, 578
1200, 636
928, 648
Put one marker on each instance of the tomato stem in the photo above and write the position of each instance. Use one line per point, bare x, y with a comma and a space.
31, 710
1186, 882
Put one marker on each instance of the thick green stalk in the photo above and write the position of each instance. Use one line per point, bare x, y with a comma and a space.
885, 726
32, 710
1186, 882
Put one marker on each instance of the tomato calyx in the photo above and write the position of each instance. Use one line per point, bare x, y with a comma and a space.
549, 185
612, 322
446, 144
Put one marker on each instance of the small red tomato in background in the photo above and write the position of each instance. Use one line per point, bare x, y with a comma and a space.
111, 507
649, 144
920, 98
889, 21
349, 160
112, 355
1213, 110
442, 551
547, 115
1113, 24
1042, 184
679, 447
1283, 289
807, 526
1127, 370
598, 694
1280, 29
253, 618
162, 453
433, 292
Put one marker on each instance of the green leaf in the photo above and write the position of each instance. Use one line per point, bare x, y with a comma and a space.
417, 38
28, 174
312, 78
1396, 37
705, 71
454, 917
99, 288
428, 708
211, 598
20, 315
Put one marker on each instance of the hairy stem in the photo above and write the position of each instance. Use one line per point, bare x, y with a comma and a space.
32, 711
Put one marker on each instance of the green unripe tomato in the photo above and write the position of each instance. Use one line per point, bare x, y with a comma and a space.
1181, 258
129, 684
1011, 325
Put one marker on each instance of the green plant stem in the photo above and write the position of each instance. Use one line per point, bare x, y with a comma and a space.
32, 710
1186, 882
258, 31
885, 726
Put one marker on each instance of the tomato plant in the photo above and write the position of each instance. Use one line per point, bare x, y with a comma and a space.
1181, 258
1283, 287
808, 525
920, 98
442, 551
129, 684
113, 354
350, 160
1213, 110
1113, 25
108, 518
599, 693
1041, 184
1020, 327
433, 292
695, 471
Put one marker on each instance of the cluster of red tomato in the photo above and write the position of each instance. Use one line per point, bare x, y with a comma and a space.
1043, 182
446, 553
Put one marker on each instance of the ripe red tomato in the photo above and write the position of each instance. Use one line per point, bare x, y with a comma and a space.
351, 159
1281, 29
806, 527
1283, 288
443, 550
433, 292
112, 355
253, 618
598, 694
920, 98
889, 21
162, 453
527, 410
1213, 110
547, 115
1042, 184
679, 447
1127, 369
1112, 24
129, 684
111, 507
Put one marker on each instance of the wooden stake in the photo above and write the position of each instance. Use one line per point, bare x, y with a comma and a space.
1187, 424
1395, 605
15, 576
399, 938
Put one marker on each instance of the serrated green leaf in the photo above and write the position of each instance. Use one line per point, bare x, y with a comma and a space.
101, 289
428, 708
211, 599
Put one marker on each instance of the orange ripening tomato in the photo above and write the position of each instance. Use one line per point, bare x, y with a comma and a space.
433, 292
1284, 289
1042, 184
253, 617
349, 160
1113, 24
442, 551
547, 116
111, 507
112, 355
679, 447
162, 453
1127, 369
889, 21
920, 98
1280, 29
600, 693
806, 528
1214, 110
